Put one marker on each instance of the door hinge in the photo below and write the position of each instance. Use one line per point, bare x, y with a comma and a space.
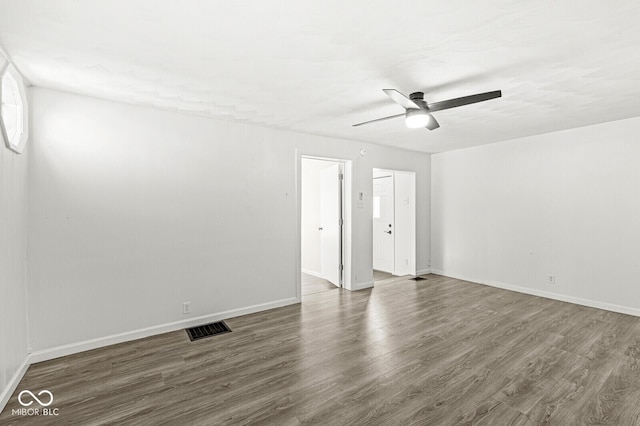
341, 222
341, 267
341, 176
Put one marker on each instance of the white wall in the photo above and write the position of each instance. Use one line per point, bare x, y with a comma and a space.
564, 203
133, 211
13, 303
310, 220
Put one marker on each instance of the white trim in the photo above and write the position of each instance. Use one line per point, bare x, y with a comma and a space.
312, 273
56, 352
298, 224
347, 215
423, 271
59, 351
549, 295
18, 148
5, 396
10, 61
362, 286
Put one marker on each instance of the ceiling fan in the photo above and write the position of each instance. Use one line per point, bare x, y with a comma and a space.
418, 112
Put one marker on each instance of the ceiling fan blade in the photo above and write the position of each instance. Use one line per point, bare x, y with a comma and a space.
433, 123
401, 99
465, 100
379, 119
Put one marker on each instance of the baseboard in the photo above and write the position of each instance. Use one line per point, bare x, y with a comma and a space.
56, 352
362, 286
5, 396
312, 273
548, 294
423, 271
59, 351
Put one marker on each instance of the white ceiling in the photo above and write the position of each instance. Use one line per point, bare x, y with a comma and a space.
319, 67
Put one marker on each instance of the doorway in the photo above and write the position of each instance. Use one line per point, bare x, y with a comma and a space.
321, 223
394, 223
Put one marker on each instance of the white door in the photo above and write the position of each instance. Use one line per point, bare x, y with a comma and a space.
404, 224
330, 235
383, 224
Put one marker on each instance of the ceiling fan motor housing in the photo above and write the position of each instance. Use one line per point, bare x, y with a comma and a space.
418, 99
417, 96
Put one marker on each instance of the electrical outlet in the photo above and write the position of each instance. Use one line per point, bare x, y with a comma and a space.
551, 279
186, 308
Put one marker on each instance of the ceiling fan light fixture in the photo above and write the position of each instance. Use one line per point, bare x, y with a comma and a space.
416, 118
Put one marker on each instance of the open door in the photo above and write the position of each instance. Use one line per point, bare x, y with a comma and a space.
404, 215
383, 223
330, 224
394, 221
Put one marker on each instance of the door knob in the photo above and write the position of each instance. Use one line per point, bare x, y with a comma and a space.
387, 232
320, 229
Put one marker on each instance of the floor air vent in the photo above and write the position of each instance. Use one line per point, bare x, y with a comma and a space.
207, 330
417, 279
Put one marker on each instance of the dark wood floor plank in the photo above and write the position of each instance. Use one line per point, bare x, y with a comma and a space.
312, 285
434, 352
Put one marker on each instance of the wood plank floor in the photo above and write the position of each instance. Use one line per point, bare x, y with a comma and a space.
434, 352
312, 285
380, 276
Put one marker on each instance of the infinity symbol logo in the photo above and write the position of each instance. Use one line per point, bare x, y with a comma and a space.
26, 404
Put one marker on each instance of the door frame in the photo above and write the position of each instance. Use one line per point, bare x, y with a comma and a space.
413, 266
391, 218
346, 189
